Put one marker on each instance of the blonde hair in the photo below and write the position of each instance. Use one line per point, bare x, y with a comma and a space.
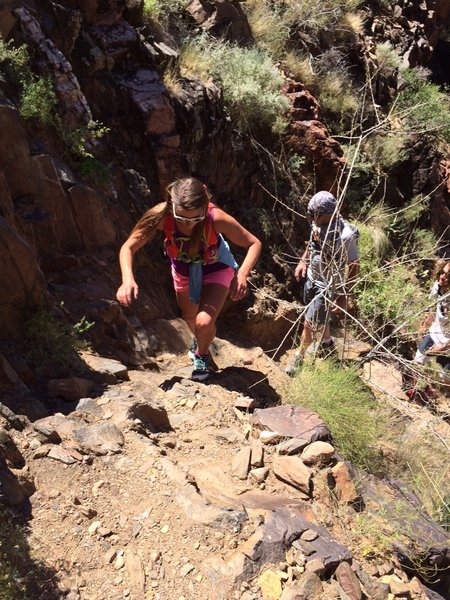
188, 194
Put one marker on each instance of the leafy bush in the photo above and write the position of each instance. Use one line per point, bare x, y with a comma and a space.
251, 82
419, 462
38, 100
346, 405
386, 149
93, 169
422, 106
387, 295
81, 140
387, 57
51, 341
160, 9
37, 97
337, 99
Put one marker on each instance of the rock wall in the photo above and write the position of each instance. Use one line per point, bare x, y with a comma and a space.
106, 65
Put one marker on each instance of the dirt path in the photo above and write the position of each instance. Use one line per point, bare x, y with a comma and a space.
106, 526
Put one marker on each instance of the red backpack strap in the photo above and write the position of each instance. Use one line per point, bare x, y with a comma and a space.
170, 246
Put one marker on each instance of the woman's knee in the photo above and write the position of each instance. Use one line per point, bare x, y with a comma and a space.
204, 320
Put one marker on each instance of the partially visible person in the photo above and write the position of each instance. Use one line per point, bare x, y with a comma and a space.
437, 339
330, 265
204, 270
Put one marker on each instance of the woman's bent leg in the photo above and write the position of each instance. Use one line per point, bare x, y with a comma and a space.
211, 303
188, 310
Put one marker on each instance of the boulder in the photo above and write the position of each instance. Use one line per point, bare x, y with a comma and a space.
71, 388
99, 438
317, 453
290, 421
293, 471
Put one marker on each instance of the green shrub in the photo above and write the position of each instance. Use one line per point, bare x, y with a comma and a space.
49, 340
93, 169
251, 82
386, 149
38, 100
317, 15
388, 58
387, 296
14, 62
80, 141
269, 28
159, 10
420, 463
338, 101
422, 106
346, 405
37, 96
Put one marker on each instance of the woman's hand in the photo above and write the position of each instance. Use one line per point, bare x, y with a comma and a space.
238, 286
127, 293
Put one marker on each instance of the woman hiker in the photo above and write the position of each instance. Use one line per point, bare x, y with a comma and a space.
204, 270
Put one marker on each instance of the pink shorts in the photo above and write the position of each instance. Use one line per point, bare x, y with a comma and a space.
222, 277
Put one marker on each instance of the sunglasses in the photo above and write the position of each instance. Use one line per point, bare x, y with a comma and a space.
181, 219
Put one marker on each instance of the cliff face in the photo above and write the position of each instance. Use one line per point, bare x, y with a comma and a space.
63, 224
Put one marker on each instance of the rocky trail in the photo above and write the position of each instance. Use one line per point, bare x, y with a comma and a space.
148, 485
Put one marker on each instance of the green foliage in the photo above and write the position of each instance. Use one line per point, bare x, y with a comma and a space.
93, 169
386, 149
346, 405
51, 341
14, 61
422, 106
372, 535
419, 461
337, 98
161, 9
387, 295
269, 27
37, 96
80, 141
388, 58
251, 82
38, 100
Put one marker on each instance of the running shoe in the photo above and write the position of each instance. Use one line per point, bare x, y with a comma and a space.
295, 365
200, 372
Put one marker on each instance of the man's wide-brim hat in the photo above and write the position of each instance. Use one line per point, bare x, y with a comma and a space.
322, 203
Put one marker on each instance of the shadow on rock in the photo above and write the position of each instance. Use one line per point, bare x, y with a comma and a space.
249, 383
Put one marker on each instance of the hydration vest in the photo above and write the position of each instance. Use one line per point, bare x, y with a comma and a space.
173, 244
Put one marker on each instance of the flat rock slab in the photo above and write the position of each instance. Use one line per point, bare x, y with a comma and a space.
100, 438
268, 545
384, 378
105, 370
290, 421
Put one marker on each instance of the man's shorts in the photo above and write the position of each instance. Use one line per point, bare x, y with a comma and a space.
221, 277
316, 302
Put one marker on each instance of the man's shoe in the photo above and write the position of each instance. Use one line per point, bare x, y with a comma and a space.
322, 349
200, 372
192, 349
295, 365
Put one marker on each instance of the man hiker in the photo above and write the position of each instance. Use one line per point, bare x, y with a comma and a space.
330, 264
